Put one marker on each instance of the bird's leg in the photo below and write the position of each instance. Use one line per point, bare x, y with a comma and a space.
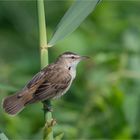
47, 106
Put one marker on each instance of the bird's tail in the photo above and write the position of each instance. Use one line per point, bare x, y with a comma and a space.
14, 104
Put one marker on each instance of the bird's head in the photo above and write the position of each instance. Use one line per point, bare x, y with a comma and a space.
71, 59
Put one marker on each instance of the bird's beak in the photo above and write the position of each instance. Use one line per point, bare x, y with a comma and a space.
84, 57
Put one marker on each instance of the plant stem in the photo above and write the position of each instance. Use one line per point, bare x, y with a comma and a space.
48, 130
42, 34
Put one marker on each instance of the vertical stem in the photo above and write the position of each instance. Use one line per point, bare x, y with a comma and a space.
42, 34
48, 130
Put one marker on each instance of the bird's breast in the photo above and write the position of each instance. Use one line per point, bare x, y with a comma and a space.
62, 92
72, 72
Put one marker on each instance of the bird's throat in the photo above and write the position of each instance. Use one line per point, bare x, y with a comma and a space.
72, 71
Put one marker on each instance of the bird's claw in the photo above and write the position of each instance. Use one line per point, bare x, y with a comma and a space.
47, 108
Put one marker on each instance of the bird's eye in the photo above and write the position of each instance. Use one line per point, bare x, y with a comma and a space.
72, 57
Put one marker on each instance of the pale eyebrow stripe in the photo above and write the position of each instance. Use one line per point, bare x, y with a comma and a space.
69, 55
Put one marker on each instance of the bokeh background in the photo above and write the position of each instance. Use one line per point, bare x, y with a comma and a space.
104, 100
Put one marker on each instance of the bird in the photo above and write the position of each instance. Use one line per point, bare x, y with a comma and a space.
51, 82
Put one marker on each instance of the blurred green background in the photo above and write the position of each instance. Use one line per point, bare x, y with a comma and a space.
104, 100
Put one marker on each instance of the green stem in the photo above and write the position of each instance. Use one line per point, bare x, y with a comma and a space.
42, 34
48, 130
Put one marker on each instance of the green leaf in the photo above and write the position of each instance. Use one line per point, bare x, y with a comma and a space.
59, 136
72, 19
2, 136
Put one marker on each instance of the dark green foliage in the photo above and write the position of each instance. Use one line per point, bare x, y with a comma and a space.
104, 100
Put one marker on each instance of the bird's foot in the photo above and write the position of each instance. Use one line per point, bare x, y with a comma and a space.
47, 106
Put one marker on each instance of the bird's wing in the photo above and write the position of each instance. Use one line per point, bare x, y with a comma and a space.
36, 81
40, 77
57, 81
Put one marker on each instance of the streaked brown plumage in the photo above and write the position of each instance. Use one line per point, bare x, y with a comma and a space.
51, 82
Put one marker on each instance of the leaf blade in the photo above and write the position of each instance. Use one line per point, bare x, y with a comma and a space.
75, 15
3, 136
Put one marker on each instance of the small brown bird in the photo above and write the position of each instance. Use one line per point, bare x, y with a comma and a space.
51, 82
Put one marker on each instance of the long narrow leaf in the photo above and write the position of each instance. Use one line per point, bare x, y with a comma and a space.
72, 19
59, 136
3, 136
